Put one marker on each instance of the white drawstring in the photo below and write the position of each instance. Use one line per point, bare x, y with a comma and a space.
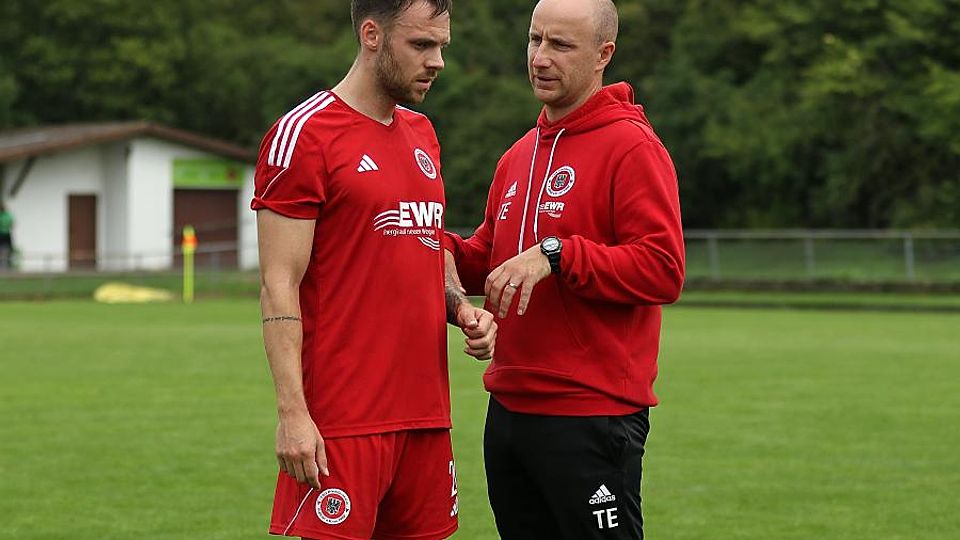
526, 203
546, 176
294, 520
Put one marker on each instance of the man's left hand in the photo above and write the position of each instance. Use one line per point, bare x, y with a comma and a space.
520, 273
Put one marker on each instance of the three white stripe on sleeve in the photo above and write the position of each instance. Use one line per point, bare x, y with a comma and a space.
288, 131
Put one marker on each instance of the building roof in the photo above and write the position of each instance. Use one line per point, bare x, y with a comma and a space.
23, 143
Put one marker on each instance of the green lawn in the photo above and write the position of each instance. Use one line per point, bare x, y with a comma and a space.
155, 422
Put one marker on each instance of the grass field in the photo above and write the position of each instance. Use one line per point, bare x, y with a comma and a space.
155, 422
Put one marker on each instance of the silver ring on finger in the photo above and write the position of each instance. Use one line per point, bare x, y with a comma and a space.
512, 285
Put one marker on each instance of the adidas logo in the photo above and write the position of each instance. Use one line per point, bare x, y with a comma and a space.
367, 165
602, 495
512, 192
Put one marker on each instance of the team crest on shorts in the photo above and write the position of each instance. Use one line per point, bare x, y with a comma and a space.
425, 163
561, 181
333, 506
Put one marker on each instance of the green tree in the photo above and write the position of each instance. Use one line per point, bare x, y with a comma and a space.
815, 113
482, 102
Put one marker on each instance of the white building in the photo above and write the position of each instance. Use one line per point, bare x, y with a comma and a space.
116, 197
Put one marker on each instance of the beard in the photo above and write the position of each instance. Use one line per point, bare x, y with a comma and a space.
391, 79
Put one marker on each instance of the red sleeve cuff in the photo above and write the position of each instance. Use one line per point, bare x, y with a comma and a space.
451, 243
293, 210
566, 256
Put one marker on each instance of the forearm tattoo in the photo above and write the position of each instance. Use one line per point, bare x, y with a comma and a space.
454, 299
282, 318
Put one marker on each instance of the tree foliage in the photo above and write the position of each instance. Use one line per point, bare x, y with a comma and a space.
815, 112
833, 113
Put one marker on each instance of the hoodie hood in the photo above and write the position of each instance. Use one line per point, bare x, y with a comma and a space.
611, 104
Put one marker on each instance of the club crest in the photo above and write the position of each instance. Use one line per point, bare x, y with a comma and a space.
561, 181
333, 506
425, 163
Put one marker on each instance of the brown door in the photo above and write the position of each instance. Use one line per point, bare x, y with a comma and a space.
83, 231
213, 214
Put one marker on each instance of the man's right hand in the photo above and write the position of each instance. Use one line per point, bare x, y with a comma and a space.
300, 449
480, 330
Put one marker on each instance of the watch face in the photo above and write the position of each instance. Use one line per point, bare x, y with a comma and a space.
551, 244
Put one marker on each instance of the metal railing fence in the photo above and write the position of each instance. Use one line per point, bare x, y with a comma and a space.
838, 255
211, 255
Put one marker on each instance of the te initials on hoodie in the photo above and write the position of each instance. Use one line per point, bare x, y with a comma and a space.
504, 208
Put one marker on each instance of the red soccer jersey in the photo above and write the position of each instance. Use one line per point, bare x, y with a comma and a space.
372, 299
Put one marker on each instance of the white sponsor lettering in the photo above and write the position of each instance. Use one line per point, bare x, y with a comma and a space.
504, 208
552, 208
405, 215
603, 499
611, 518
421, 219
420, 214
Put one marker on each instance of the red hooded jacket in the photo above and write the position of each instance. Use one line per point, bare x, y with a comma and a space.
601, 181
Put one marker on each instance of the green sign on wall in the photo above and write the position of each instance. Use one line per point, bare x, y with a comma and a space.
207, 174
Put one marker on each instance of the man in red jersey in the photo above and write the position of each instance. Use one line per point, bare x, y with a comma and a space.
350, 205
582, 228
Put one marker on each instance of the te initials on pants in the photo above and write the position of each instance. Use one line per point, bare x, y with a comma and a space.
606, 518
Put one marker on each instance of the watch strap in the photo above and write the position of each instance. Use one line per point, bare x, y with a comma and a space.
553, 255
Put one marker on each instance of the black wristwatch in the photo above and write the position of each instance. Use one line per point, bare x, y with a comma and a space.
551, 246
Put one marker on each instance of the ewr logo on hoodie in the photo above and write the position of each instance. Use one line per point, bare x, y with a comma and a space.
561, 181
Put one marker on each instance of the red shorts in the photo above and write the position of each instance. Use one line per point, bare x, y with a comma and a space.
389, 486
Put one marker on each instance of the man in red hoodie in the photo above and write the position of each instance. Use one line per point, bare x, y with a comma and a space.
582, 228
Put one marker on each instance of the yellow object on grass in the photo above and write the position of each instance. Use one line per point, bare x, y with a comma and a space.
123, 293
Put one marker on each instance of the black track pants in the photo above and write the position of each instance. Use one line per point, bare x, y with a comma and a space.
563, 477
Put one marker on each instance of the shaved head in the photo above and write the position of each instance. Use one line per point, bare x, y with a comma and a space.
571, 44
602, 14
607, 21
